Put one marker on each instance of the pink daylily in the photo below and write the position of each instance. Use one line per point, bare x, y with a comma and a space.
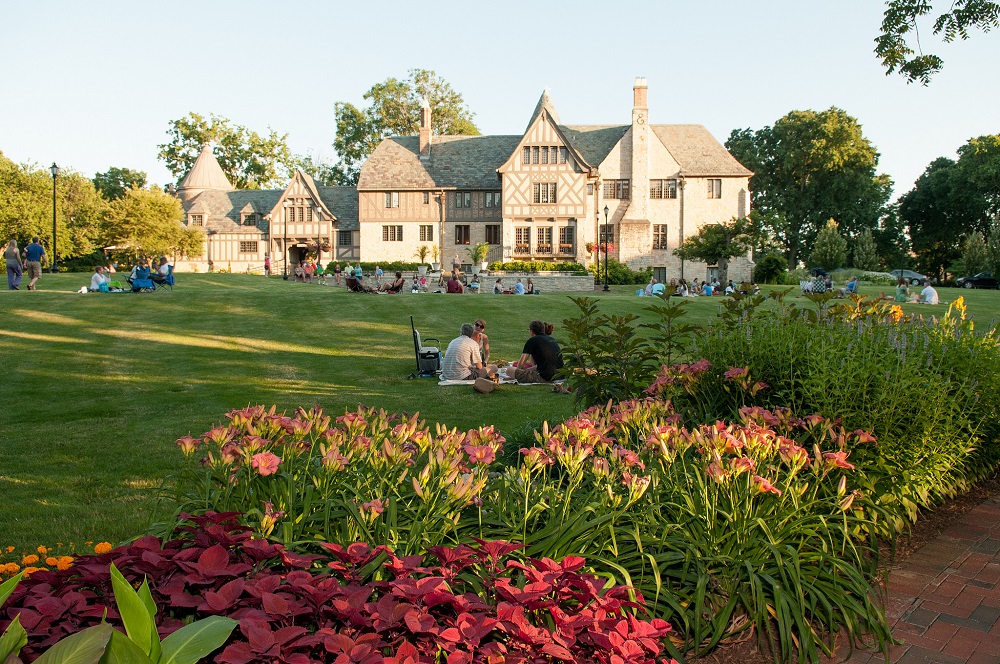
265, 463
765, 486
838, 460
480, 454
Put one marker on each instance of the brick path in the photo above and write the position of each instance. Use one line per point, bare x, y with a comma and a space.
944, 602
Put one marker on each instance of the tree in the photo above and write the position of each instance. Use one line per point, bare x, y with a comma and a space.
249, 160
830, 250
811, 166
975, 257
148, 221
993, 248
394, 110
715, 244
951, 199
26, 208
899, 27
116, 181
865, 254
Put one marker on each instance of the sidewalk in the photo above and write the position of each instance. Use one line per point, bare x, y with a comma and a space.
944, 602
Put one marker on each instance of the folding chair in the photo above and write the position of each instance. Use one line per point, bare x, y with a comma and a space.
168, 281
428, 357
142, 282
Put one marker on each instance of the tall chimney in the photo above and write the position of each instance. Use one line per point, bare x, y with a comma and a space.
425, 129
640, 151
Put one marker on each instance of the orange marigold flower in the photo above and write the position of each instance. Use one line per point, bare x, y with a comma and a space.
64, 563
28, 571
10, 549
51, 561
29, 559
12, 568
41, 550
103, 547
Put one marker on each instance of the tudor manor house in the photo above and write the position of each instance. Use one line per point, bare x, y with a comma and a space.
536, 196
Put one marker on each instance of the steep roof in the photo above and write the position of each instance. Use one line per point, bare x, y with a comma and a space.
205, 174
223, 209
343, 203
697, 151
544, 102
467, 162
594, 141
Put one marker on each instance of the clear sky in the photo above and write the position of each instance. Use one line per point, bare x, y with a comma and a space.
91, 85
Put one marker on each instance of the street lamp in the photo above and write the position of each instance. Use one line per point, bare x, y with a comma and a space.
55, 256
606, 233
284, 246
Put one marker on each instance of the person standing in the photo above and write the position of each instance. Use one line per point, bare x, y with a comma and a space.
378, 276
14, 267
456, 265
33, 254
267, 265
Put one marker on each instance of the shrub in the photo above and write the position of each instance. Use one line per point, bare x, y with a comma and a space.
369, 268
620, 273
466, 604
535, 266
771, 269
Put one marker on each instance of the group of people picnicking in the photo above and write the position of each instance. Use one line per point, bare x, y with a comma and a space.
903, 295
693, 288
468, 355
143, 275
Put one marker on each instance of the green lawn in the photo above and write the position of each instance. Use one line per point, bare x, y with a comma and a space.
97, 388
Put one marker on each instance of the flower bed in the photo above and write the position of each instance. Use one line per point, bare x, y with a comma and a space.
354, 604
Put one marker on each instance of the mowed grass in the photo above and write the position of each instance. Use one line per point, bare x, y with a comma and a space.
96, 388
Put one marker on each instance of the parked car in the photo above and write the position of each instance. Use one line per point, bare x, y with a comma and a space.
818, 272
914, 278
981, 280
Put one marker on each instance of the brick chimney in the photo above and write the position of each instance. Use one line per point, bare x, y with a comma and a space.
425, 129
640, 150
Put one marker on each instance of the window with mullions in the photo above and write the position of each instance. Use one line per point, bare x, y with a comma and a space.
522, 240
463, 234
197, 220
248, 247
543, 237
392, 233
250, 220
493, 233
606, 234
544, 192
426, 233
714, 188
463, 199
391, 199
343, 238
493, 199
659, 236
616, 189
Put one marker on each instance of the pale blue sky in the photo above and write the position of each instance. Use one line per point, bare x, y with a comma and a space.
94, 84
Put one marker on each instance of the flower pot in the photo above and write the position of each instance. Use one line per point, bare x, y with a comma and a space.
475, 269
435, 267
421, 270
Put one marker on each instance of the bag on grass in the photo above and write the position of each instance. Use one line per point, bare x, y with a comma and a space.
484, 385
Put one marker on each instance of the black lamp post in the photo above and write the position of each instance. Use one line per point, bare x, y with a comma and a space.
606, 233
55, 256
284, 247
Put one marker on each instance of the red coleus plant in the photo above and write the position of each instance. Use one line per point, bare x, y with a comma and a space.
358, 604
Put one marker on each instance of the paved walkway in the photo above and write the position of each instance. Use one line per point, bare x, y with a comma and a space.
944, 602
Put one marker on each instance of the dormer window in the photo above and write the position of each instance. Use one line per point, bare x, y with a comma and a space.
196, 220
250, 219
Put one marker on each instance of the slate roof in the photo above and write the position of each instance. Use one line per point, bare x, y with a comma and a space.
545, 101
343, 203
466, 162
697, 151
222, 208
594, 142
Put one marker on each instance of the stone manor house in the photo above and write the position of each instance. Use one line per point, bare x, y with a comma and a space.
540, 195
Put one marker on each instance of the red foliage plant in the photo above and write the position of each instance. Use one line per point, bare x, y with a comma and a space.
351, 605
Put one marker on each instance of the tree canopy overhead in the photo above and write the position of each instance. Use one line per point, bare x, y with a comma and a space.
116, 181
898, 46
716, 244
249, 160
148, 221
394, 110
811, 166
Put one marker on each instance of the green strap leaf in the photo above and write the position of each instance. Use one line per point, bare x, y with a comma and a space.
154, 636
86, 647
13, 639
138, 624
7, 587
121, 650
193, 642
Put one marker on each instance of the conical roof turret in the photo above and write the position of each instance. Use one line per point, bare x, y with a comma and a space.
204, 174
545, 101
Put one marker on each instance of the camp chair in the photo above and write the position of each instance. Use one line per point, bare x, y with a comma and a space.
354, 286
168, 281
142, 283
428, 357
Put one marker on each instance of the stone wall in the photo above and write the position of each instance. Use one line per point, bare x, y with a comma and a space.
545, 283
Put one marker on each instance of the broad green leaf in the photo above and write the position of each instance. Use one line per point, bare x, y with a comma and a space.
13, 639
154, 637
86, 647
192, 642
138, 624
7, 587
121, 650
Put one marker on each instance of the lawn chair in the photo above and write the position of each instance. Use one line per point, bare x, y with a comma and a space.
142, 282
168, 281
428, 357
354, 286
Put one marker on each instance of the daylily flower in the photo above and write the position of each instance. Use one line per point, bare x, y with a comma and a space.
743, 464
736, 372
265, 463
765, 486
716, 472
863, 436
837, 460
480, 454
373, 507
187, 445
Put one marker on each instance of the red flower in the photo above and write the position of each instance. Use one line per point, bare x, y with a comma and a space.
837, 460
265, 463
764, 486
480, 454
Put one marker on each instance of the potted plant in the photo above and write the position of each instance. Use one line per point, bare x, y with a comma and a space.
435, 258
422, 252
479, 252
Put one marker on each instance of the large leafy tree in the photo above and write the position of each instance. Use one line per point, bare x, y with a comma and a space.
148, 222
951, 199
898, 45
250, 160
26, 207
811, 166
116, 181
716, 244
394, 110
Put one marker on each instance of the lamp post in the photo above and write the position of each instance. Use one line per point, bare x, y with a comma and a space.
284, 247
606, 233
55, 256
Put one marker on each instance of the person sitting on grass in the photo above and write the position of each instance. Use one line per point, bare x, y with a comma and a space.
462, 359
98, 279
454, 285
396, 286
541, 357
518, 288
498, 286
480, 338
928, 295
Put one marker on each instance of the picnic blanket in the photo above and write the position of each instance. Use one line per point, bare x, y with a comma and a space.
503, 381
